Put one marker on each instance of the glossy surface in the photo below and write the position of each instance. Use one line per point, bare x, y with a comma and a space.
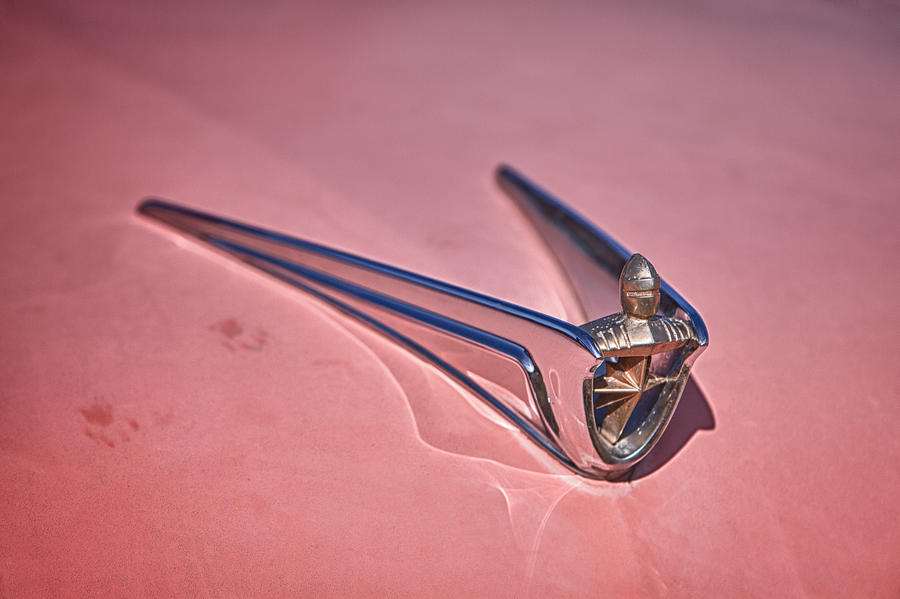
136, 453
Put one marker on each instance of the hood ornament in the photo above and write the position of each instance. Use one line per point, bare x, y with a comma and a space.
596, 397
633, 336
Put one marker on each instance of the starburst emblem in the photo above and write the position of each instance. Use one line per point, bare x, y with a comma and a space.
620, 391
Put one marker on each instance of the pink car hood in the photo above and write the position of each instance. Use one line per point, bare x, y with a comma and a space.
173, 425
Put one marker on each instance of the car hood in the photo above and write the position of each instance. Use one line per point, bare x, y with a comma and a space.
174, 425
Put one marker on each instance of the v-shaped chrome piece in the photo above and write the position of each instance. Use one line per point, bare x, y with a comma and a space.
596, 397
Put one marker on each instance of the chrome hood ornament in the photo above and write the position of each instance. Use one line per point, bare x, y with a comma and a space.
596, 397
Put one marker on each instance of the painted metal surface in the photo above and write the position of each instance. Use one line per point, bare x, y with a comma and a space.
136, 455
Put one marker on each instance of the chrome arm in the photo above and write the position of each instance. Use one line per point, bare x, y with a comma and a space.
590, 258
546, 367
592, 261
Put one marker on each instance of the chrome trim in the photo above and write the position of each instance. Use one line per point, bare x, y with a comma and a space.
592, 261
547, 365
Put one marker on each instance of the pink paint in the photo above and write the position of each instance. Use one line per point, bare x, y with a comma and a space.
758, 141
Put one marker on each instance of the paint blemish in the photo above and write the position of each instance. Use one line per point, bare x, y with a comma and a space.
99, 437
101, 424
98, 413
236, 336
229, 327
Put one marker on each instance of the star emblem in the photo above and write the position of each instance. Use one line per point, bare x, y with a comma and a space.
620, 391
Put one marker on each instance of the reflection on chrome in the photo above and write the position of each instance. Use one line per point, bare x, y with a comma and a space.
596, 397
